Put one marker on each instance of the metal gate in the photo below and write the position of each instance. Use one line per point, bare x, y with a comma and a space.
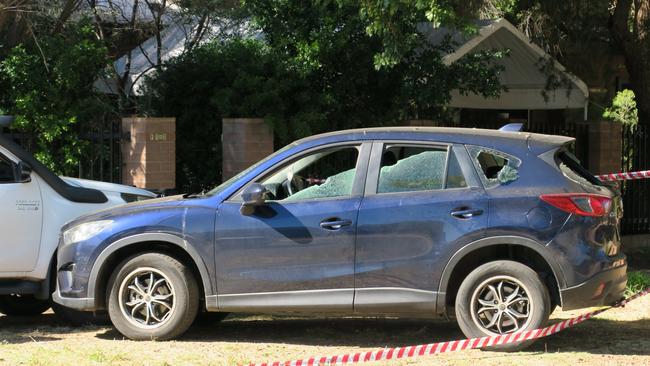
102, 159
636, 193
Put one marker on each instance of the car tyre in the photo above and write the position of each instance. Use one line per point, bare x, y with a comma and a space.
22, 305
152, 296
502, 297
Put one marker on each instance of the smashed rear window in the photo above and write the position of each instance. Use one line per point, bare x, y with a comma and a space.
495, 167
572, 169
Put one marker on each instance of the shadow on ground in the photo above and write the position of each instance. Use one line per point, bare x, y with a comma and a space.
597, 336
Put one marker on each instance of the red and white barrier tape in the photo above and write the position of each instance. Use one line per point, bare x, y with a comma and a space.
450, 346
624, 176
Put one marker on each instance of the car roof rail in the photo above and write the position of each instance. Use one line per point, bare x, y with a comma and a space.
512, 127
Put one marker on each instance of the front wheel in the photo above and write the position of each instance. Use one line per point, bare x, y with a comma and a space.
502, 297
152, 296
22, 305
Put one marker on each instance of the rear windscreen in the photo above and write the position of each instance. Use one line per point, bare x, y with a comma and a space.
571, 167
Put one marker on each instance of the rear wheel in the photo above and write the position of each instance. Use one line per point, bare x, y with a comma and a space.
152, 296
22, 305
502, 297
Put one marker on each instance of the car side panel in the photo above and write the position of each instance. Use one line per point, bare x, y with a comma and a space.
402, 238
405, 239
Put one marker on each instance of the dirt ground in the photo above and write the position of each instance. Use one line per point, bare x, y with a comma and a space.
617, 337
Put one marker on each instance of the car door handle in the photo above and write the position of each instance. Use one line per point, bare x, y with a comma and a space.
334, 224
466, 213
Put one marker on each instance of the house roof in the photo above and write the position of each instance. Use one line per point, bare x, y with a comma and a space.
174, 39
526, 69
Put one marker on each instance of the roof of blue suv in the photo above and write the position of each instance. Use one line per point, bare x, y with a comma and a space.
537, 143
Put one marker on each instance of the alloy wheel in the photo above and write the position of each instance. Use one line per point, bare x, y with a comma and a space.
146, 298
501, 305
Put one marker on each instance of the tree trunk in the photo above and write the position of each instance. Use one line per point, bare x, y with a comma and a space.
630, 29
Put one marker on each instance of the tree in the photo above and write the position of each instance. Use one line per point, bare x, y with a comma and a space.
48, 84
237, 78
126, 25
312, 71
366, 66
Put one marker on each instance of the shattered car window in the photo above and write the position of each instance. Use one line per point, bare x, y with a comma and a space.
323, 174
495, 167
334, 186
406, 169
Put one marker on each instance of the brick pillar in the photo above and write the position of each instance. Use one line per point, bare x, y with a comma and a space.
149, 157
605, 145
245, 141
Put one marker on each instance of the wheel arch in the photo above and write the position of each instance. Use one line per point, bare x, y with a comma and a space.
495, 248
148, 242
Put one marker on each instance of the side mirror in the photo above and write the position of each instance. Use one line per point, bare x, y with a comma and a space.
253, 196
23, 173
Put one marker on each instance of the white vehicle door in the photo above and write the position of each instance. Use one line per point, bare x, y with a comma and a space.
21, 218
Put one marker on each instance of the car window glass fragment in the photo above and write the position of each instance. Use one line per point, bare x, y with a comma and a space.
323, 174
495, 167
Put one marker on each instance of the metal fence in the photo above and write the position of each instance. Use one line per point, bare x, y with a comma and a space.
636, 193
102, 158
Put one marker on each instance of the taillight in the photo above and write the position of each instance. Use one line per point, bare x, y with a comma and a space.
579, 203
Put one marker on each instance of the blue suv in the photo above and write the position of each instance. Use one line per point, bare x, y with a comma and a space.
493, 228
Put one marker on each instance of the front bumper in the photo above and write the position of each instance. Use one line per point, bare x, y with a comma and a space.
605, 288
66, 295
82, 304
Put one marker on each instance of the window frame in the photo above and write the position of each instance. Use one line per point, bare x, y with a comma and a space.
372, 180
359, 177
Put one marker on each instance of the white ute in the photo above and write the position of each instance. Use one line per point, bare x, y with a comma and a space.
34, 205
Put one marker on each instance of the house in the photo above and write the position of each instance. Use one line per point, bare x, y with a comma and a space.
527, 73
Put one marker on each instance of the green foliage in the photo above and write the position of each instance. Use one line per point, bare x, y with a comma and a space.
48, 87
238, 78
637, 281
395, 23
623, 109
336, 44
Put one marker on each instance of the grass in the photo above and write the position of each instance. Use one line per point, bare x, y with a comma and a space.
618, 336
637, 281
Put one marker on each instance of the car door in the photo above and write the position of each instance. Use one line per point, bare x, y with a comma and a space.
422, 201
21, 218
297, 250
